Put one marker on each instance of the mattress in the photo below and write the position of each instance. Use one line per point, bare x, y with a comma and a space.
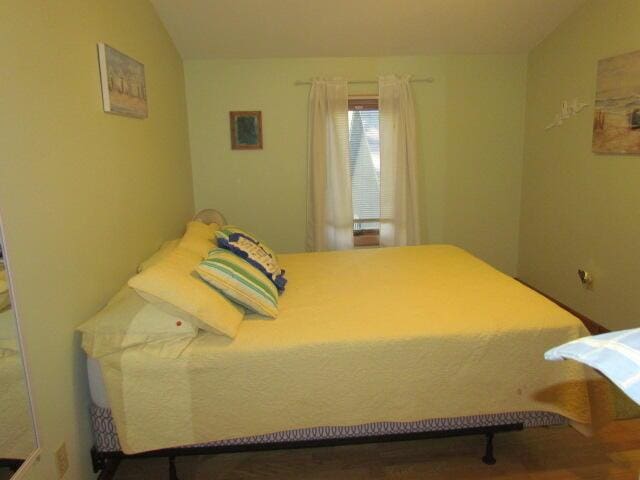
97, 388
363, 337
106, 435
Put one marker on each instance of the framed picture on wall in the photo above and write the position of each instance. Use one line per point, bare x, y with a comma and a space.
124, 89
616, 125
246, 130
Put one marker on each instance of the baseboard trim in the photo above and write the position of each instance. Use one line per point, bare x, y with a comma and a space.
594, 327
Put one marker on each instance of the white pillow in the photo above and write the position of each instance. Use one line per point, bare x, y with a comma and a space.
128, 320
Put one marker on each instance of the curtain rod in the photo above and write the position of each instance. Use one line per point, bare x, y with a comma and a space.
362, 82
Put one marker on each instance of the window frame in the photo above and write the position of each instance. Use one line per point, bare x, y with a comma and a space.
366, 237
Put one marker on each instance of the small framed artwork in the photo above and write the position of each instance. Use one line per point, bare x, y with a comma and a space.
246, 130
124, 89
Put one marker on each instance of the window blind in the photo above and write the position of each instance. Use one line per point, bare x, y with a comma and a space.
364, 157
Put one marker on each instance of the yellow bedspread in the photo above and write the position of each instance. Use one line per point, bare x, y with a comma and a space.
396, 334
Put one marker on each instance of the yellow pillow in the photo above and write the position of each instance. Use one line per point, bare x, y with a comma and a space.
171, 285
165, 249
199, 238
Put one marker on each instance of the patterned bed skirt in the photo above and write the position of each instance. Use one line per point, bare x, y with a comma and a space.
106, 437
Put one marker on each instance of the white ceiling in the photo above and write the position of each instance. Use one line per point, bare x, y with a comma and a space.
309, 28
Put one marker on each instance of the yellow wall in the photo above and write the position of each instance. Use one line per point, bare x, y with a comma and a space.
470, 122
579, 209
84, 195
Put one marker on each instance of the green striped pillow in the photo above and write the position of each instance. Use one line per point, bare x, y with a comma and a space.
239, 281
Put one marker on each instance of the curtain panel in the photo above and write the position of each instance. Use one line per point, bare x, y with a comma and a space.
329, 208
399, 222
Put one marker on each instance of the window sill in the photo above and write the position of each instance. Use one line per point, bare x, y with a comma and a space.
366, 239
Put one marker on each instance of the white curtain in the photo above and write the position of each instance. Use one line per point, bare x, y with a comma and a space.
329, 209
399, 224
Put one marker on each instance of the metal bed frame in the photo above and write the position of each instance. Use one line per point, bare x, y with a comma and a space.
106, 463
13, 464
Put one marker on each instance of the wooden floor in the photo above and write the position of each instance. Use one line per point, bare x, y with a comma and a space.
556, 453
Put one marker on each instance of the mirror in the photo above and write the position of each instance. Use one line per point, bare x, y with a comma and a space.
17, 434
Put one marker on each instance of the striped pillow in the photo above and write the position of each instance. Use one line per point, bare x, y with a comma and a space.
223, 233
239, 281
254, 251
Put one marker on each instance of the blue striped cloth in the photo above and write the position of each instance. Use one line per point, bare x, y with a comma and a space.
616, 355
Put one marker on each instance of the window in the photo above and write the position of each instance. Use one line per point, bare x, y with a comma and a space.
364, 157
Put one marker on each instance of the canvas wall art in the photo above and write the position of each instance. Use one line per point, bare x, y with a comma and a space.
124, 89
246, 130
616, 123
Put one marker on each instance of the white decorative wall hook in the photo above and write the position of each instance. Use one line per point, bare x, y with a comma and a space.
567, 111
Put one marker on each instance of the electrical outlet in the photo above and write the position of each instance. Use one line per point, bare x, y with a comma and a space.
586, 278
62, 460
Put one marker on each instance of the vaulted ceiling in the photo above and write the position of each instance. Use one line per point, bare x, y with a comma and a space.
295, 28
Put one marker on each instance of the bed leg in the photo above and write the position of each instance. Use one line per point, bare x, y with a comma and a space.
109, 470
173, 474
488, 458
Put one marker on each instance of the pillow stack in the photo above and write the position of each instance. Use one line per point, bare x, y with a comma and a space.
189, 284
207, 286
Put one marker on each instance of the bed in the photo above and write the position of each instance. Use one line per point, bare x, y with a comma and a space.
367, 343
